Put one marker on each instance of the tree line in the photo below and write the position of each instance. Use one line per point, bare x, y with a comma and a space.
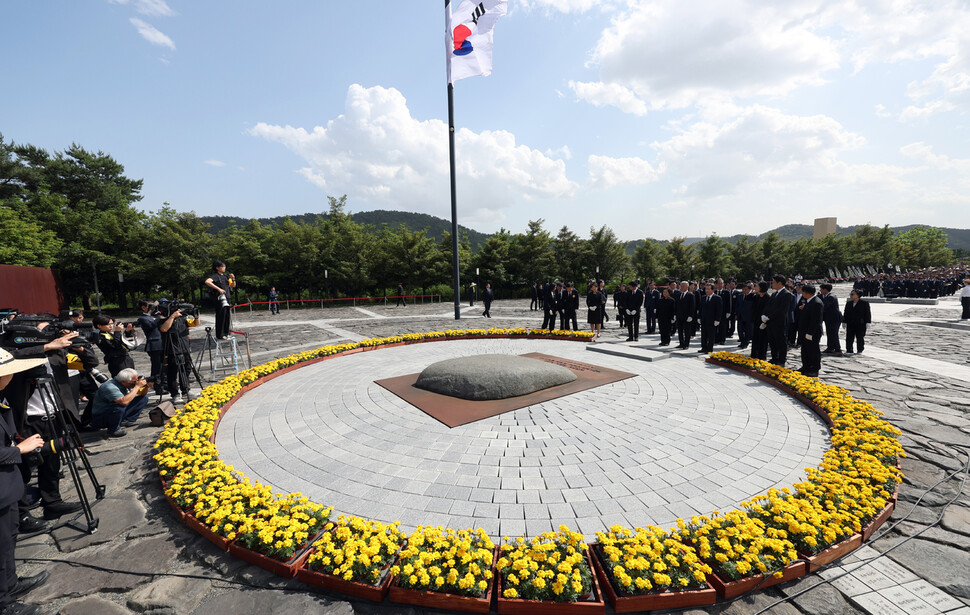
75, 211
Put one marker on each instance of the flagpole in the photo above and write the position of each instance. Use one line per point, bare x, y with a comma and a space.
454, 198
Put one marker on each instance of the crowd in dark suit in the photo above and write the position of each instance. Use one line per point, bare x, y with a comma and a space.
769, 317
929, 283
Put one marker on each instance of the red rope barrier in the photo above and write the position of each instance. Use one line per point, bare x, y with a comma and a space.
384, 297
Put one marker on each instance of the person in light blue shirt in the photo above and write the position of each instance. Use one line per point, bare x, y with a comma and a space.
119, 402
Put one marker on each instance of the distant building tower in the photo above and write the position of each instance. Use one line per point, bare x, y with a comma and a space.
823, 227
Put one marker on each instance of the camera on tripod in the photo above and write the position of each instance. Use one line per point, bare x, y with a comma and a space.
166, 307
23, 331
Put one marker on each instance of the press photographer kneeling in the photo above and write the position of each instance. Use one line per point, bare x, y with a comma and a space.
119, 402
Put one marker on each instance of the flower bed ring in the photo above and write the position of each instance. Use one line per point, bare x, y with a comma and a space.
212, 407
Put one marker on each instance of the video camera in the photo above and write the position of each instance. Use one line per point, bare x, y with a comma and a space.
23, 331
166, 307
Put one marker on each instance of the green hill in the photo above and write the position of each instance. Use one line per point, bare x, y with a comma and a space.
956, 238
413, 221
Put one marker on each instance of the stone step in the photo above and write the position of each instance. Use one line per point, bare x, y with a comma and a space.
959, 325
903, 300
630, 352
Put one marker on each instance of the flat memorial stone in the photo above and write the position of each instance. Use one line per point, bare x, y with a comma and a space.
491, 376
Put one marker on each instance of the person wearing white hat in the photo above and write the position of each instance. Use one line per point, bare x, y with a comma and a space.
11, 489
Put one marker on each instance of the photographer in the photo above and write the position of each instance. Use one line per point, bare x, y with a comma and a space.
119, 402
221, 284
115, 341
150, 325
175, 351
31, 414
11, 490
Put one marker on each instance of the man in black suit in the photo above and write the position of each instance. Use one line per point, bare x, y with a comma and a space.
570, 304
12, 489
487, 297
721, 332
737, 296
698, 291
774, 318
744, 310
685, 316
534, 297
634, 301
550, 305
810, 331
674, 289
712, 311
650, 302
619, 303
832, 317
857, 316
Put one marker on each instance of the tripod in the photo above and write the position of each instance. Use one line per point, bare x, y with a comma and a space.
70, 449
182, 359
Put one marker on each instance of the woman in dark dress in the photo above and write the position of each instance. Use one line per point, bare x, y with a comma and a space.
595, 300
856, 316
759, 337
666, 312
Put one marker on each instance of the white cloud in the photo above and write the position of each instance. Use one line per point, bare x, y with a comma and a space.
214, 163
924, 153
673, 54
908, 31
609, 94
606, 172
560, 152
377, 152
154, 8
151, 34
728, 150
565, 6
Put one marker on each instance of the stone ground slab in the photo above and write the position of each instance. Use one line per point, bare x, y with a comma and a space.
115, 516
925, 400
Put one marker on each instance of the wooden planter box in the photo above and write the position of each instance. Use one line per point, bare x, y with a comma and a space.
625, 603
220, 541
179, 513
515, 606
280, 568
727, 589
437, 600
832, 553
876, 522
374, 593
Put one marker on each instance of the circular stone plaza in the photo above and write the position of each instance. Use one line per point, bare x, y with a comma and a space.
666, 436
679, 438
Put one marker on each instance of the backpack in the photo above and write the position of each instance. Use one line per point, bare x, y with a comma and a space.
161, 413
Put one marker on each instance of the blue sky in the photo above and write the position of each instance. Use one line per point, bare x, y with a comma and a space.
659, 119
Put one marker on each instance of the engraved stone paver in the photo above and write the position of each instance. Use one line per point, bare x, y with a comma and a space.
681, 438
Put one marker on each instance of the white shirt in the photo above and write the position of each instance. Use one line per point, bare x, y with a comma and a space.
965, 291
